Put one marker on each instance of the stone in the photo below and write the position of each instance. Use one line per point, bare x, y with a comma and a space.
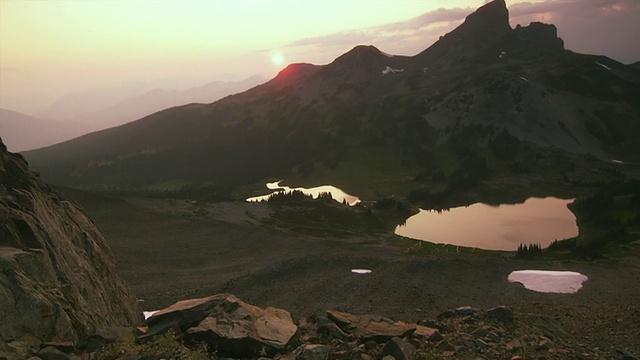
51, 353
514, 345
461, 311
64, 346
327, 327
428, 333
466, 311
501, 313
444, 346
58, 278
624, 354
312, 352
370, 327
225, 323
399, 349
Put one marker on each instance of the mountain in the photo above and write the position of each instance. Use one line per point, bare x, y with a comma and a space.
58, 279
107, 107
635, 65
23, 132
484, 98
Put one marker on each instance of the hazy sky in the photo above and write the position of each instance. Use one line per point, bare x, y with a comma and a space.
49, 48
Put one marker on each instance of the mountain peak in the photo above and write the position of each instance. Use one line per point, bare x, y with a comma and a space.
360, 55
488, 21
293, 73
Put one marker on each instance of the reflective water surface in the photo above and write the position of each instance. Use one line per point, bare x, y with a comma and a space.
337, 194
504, 227
561, 282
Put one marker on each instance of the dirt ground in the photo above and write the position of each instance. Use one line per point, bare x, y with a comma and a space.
173, 250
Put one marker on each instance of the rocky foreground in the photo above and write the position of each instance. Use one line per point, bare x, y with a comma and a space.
224, 327
232, 328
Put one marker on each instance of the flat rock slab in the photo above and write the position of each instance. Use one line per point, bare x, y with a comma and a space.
227, 324
370, 327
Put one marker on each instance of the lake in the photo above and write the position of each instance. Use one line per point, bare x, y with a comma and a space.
503, 227
337, 194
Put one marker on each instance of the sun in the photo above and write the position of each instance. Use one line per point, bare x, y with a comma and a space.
277, 59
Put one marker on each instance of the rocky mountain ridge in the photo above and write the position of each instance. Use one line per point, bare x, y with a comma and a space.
480, 80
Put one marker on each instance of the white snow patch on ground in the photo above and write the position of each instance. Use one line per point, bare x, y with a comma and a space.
616, 161
604, 66
389, 70
148, 314
560, 282
524, 78
502, 53
361, 271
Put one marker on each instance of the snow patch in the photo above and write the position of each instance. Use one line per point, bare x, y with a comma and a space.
524, 78
361, 271
617, 161
148, 314
603, 65
389, 70
502, 53
545, 281
385, 54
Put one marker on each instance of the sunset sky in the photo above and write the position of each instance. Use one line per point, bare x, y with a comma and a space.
49, 48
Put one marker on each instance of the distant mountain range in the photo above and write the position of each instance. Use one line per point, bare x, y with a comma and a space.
104, 108
23, 132
84, 112
483, 94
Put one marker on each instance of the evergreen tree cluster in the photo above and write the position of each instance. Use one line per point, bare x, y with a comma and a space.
528, 251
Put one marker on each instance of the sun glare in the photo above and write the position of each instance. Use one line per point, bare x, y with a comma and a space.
277, 59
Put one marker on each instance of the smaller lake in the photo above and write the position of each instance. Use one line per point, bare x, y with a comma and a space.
337, 194
504, 227
546, 281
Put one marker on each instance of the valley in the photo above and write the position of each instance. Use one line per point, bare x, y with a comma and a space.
170, 250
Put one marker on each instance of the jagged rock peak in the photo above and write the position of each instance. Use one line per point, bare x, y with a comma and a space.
490, 20
541, 35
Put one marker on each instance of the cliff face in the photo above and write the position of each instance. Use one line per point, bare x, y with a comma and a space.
57, 274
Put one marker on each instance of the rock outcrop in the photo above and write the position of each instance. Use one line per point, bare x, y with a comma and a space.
227, 324
57, 275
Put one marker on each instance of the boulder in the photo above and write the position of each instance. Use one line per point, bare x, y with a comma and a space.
51, 353
58, 280
312, 352
399, 349
501, 313
427, 333
227, 324
370, 327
